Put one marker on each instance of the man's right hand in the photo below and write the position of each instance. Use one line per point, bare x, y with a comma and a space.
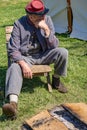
27, 73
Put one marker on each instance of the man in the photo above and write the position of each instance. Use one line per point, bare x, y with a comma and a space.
32, 42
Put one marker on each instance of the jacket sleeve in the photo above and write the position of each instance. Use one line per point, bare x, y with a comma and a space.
14, 44
52, 40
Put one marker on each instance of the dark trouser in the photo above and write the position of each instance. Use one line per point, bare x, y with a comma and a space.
14, 77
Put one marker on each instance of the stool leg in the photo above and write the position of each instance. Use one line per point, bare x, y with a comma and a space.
49, 83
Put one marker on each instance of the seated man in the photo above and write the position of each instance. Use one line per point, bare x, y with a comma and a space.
32, 41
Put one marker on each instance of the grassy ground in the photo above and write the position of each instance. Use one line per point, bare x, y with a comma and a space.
35, 96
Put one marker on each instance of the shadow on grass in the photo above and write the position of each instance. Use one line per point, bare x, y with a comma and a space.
2, 84
3, 26
75, 46
30, 84
78, 49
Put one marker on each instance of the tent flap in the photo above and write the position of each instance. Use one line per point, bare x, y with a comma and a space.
62, 12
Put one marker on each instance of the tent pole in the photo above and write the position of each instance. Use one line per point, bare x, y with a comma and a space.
69, 16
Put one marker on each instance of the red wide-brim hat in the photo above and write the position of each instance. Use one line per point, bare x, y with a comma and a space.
36, 7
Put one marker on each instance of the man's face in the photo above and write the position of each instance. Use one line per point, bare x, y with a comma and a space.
36, 18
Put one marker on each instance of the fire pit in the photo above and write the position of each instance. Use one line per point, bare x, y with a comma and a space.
68, 119
63, 117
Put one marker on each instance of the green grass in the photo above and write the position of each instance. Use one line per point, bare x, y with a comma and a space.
34, 96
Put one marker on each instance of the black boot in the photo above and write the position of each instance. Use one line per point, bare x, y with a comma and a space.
58, 85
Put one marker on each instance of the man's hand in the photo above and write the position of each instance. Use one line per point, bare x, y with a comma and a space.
42, 24
27, 73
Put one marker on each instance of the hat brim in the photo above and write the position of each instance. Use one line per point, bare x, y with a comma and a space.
45, 11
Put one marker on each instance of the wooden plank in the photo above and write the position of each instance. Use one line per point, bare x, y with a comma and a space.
44, 121
8, 29
41, 69
79, 110
8, 37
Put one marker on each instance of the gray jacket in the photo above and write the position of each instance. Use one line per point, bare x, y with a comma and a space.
20, 37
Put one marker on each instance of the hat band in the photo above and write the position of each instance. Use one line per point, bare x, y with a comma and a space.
39, 12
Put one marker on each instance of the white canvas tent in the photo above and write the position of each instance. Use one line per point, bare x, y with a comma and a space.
58, 12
